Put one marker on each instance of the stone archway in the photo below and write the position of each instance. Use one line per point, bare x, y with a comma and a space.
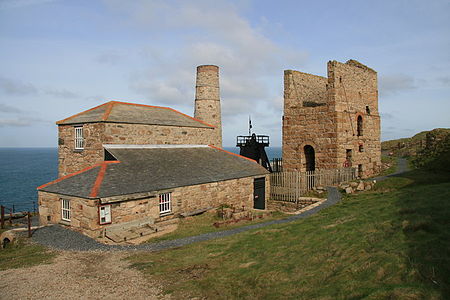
310, 157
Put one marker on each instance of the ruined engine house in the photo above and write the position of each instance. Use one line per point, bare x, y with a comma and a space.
332, 122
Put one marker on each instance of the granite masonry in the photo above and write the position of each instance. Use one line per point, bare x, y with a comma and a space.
332, 122
128, 169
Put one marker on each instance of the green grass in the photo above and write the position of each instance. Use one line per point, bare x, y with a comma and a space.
21, 253
203, 223
389, 243
393, 160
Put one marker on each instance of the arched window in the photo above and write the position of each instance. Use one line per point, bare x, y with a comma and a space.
359, 126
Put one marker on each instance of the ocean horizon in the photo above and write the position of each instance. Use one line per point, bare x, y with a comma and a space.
24, 169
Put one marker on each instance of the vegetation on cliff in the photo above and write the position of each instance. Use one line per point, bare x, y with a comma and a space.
427, 149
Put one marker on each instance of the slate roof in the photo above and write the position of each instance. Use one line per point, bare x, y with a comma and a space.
142, 169
123, 112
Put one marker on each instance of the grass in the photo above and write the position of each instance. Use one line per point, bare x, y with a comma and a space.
21, 253
389, 243
203, 223
393, 161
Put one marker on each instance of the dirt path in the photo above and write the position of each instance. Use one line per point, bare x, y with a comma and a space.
79, 275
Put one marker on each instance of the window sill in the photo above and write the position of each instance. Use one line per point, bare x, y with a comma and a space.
64, 222
166, 214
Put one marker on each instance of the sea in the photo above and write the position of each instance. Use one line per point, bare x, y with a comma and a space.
24, 169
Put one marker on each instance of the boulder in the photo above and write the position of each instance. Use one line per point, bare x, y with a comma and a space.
348, 190
353, 184
360, 186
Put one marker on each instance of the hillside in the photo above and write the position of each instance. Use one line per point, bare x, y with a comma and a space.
389, 243
410, 146
427, 149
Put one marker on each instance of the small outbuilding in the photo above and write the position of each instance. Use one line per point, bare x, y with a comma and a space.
144, 186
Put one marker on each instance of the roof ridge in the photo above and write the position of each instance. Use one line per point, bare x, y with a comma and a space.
112, 103
76, 173
108, 110
99, 179
238, 155
84, 111
165, 107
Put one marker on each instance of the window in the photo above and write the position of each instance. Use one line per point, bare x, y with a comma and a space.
105, 214
359, 126
65, 209
361, 148
165, 206
79, 141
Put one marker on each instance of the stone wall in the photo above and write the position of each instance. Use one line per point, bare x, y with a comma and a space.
354, 89
97, 134
84, 212
323, 112
71, 160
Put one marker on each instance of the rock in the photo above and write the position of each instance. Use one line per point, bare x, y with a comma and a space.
353, 184
319, 192
360, 186
368, 186
344, 186
348, 190
320, 188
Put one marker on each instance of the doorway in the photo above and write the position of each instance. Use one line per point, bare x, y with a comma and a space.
310, 158
259, 193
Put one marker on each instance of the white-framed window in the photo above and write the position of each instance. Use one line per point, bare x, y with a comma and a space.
65, 209
104, 213
165, 205
79, 141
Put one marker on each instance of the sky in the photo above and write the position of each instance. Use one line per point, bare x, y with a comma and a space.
60, 57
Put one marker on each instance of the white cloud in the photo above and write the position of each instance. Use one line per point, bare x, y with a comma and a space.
394, 83
207, 32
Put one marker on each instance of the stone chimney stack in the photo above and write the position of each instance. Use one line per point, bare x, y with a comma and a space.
207, 100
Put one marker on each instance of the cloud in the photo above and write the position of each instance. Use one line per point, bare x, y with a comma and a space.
61, 93
392, 84
19, 88
15, 87
445, 80
9, 109
209, 33
109, 58
5, 4
21, 122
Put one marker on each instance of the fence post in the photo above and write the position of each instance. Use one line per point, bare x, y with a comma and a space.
2, 216
10, 216
29, 224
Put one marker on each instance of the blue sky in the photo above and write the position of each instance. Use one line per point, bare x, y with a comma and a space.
61, 57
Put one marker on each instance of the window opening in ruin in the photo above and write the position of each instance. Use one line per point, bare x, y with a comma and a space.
348, 158
359, 126
105, 214
165, 205
361, 148
79, 141
368, 109
65, 209
310, 158
360, 170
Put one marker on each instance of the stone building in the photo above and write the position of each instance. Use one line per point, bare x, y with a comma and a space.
127, 169
332, 122
81, 136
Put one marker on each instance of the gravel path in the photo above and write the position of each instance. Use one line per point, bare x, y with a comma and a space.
80, 275
402, 167
57, 237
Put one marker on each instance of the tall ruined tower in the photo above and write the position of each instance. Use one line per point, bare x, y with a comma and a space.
332, 122
207, 99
